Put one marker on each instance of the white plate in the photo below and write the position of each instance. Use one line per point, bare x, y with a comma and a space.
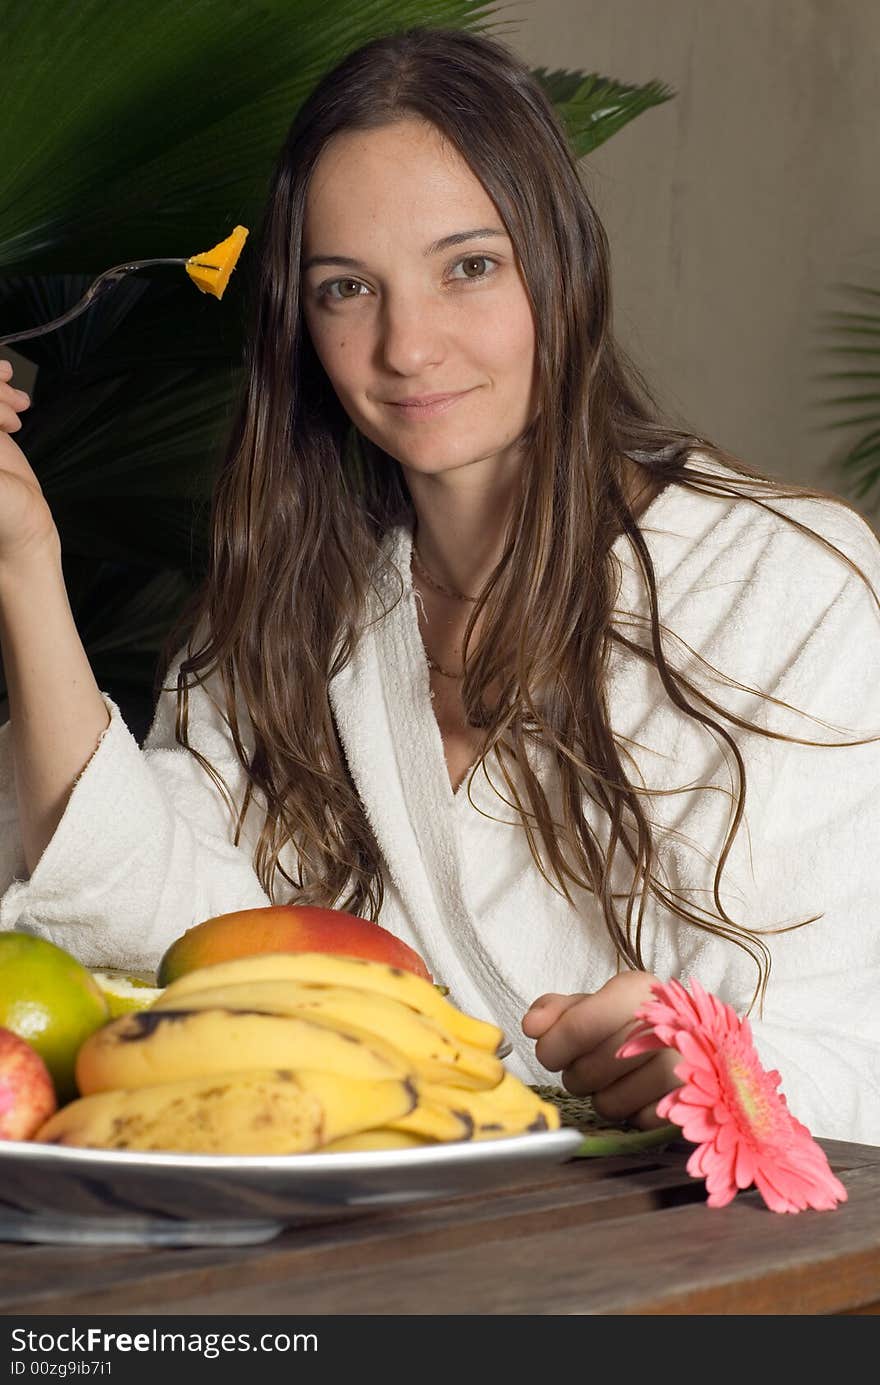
58, 1193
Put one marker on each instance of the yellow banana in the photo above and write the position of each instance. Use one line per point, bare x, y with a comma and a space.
436, 1055
146, 1047
265, 1111
510, 1108
331, 969
432, 1121
383, 1137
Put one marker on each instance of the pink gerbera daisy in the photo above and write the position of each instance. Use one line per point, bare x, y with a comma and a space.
729, 1105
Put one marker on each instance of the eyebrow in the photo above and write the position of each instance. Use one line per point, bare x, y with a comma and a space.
457, 238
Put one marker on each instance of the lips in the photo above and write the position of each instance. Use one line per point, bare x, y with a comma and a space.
419, 399
428, 406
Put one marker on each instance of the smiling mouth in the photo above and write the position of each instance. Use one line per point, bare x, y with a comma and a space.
431, 408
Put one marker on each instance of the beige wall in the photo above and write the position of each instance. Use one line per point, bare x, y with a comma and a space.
735, 208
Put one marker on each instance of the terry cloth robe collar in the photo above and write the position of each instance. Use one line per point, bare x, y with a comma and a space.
381, 702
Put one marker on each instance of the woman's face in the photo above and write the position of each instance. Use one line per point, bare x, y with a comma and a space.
401, 319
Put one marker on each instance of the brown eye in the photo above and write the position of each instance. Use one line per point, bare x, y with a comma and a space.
326, 290
485, 265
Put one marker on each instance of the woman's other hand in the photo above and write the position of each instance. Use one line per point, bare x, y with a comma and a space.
578, 1036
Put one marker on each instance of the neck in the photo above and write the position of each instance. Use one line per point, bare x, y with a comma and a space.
460, 530
460, 533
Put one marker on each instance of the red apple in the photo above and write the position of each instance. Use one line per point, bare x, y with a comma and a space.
27, 1092
285, 928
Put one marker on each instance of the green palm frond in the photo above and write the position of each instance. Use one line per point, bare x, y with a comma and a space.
150, 129
594, 108
855, 335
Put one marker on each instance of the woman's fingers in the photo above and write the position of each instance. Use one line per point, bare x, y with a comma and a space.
591, 1020
634, 1096
12, 401
579, 1037
647, 1118
597, 1068
545, 1011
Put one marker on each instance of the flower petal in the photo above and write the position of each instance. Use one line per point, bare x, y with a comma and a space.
694, 1048
695, 1124
808, 1177
692, 1094
697, 1165
728, 1137
722, 1196
706, 1080
639, 1043
702, 1004
665, 1102
744, 1169
719, 1169
774, 1200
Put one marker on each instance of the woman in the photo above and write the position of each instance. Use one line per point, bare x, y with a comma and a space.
508, 672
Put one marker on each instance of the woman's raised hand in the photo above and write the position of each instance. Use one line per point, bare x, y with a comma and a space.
56, 710
26, 523
578, 1036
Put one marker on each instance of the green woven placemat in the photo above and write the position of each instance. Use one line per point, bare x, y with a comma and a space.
602, 1136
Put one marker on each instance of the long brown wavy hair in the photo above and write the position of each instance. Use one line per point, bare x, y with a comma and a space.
303, 502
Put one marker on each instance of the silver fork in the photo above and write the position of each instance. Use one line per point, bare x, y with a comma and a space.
104, 281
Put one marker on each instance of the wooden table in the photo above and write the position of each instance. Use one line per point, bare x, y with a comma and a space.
604, 1236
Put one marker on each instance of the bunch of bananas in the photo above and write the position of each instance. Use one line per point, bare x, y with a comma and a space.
283, 1053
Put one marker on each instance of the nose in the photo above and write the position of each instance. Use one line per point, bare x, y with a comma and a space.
412, 333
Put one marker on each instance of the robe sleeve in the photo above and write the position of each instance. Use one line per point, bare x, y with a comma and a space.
144, 848
810, 842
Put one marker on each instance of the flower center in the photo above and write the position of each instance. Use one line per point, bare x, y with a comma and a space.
751, 1096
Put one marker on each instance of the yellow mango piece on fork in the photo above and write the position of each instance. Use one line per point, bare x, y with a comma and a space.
211, 269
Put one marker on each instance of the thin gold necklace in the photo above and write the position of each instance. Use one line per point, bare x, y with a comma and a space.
446, 591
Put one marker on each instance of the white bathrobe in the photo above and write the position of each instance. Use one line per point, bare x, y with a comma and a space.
144, 850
